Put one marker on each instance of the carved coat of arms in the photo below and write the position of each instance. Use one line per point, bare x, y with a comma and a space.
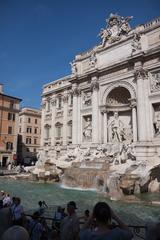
117, 26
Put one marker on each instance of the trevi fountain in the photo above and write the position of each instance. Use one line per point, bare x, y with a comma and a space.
101, 123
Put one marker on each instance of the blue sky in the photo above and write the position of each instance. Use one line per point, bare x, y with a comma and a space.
38, 38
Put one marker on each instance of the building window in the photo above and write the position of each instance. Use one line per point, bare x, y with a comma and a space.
11, 104
47, 131
11, 116
35, 141
29, 130
27, 150
35, 121
35, 130
58, 131
9, 130
71, 99
59, 102
28, 141
34, 150
20, 120
19, 130
29, 120
9, 146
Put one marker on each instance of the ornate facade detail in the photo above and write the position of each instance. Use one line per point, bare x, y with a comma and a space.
87, 99
70, 111
53, 101
94, 86
124, 84
141, 73
133, 102
65, 98
43, 104
74, 68
136, 44
155, 81
93, 59
75, 91
117, 27
59, 113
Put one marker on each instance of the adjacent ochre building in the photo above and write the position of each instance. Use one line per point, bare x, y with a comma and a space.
111, 97
9, 115
29, 133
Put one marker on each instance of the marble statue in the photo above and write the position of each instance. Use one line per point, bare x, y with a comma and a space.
135, 44
157, 124
87, 131
73, 67
93, 59
117, 129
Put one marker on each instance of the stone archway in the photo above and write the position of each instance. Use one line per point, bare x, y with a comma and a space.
118, 114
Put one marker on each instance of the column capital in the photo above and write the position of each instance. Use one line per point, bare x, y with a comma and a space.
94, 86
75, 91
133, 102
141, 73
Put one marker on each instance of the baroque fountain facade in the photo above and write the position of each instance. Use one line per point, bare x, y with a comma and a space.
101, 124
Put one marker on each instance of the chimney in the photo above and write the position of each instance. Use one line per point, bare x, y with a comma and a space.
1, 88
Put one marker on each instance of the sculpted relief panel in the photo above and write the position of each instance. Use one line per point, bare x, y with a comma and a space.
155, 81
87, 99
156, 120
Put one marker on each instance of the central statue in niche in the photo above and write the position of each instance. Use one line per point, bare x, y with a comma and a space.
116, 129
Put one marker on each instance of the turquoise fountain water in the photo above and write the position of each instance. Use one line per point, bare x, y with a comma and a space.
53, 194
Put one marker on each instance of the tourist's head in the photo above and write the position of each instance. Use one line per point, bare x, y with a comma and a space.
35, 215
71, 206
86, 213
40, 203
16, 233
102, 213
17, 200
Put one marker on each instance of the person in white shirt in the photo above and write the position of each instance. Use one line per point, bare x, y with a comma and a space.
7, 201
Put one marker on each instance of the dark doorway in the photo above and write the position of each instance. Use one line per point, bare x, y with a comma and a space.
4, 161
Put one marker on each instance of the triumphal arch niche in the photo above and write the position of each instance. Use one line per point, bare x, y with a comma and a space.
112, 95
119, 115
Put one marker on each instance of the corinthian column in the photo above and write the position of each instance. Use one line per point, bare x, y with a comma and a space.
53, 134
75, 114
141, 75
65, 113
95, 116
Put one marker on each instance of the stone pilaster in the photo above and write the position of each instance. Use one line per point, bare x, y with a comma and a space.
95, 116
134, 119
79, 122
53, 129
43, 106
65, 113
75, 93
105, 127
141, 76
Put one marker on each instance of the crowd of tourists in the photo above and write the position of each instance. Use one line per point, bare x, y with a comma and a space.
101, 224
